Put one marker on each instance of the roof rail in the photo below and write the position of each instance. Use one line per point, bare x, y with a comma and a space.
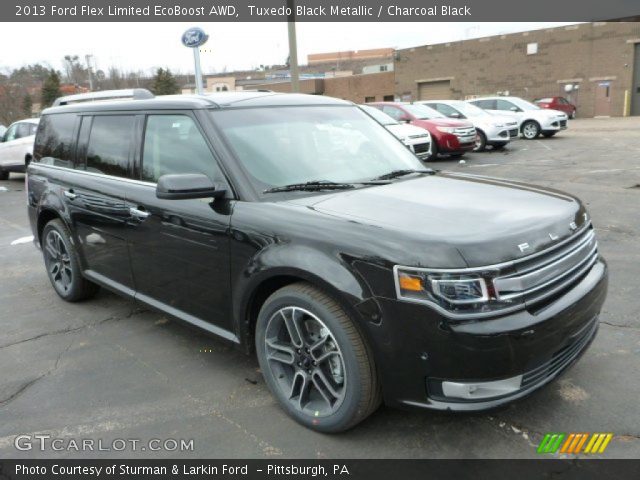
133, 93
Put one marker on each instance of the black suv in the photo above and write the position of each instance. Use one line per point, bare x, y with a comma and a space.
299, 226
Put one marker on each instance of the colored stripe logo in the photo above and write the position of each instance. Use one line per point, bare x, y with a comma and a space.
573, 443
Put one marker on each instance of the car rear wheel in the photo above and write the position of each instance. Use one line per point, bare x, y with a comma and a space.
573, 115
530, 129
433, 154
314, 360
63, 265
481, 141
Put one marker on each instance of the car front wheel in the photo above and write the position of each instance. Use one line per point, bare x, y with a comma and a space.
481, 141
530, 129
314, 359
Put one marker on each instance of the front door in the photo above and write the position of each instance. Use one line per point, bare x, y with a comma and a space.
180, 248
603, 99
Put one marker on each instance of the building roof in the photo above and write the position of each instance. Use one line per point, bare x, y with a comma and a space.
239, 99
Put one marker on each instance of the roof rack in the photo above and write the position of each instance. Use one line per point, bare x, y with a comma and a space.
133, 93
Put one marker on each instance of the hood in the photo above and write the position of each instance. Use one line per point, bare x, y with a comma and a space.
447, 122
404, 130
484, 219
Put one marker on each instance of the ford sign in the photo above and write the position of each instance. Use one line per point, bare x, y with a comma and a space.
194, 37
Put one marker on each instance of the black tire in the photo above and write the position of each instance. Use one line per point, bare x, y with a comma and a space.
66, 279
360, 391
548, 134
4, 175
573, 115
481, 141
530, 130
433, 155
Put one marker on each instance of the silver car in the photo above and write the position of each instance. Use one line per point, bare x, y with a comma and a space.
16, 146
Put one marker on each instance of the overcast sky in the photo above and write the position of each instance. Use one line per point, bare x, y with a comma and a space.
234, 46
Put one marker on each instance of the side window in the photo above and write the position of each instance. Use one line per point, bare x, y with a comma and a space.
448, 111
12, 133
33, 128
486, 104
173, 144
55, 140
23, 130
505, 105
109, 145
393, 112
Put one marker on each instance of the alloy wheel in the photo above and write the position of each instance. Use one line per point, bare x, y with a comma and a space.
530, 130
58, 261
306, 361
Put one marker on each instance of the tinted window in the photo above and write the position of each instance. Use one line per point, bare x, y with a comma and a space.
173, 144
505, 105
446, 110
393, 112
486, 104
55, 139
110, 144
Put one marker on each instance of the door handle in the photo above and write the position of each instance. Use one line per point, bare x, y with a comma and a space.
139, 214
69, 194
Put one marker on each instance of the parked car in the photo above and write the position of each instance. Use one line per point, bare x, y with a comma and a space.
2, 130
493, 130
296, 226
558, 103
16, 146
418, 140
532, 120
448, 136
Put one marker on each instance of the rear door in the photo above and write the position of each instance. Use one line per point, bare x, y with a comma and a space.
95, 197
180, 248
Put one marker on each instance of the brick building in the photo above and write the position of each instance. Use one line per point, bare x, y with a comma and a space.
592, 64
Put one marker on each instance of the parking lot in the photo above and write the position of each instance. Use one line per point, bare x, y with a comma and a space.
108, 368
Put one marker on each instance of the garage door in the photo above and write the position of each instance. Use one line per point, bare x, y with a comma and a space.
440, 90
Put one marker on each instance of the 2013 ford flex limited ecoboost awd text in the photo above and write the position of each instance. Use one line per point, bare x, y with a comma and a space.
298, 226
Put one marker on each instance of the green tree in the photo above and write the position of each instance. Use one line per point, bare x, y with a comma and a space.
164, 83
50, 88
27, 105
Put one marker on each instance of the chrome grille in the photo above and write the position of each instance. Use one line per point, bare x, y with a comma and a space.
543, 275
465, 131
422, 135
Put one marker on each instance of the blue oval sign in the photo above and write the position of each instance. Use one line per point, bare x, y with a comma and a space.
194, 37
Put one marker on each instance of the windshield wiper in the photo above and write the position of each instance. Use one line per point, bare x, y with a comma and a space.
311, 187
402, 173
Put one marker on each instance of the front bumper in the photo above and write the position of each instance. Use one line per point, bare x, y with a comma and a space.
417, 349
554, 125
451, 143
502, 134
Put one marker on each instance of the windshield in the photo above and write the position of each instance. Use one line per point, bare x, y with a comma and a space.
287, 145
379, 116
422, 112
524, 105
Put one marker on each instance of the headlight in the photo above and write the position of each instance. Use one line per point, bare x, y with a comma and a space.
447, 129
457, 294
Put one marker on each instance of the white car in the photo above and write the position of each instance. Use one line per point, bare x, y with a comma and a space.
16, 146
493, 130
417, 139
2, 130
532, 120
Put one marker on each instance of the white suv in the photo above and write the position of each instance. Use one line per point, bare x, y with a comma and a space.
492, 130
16, 146
532, 120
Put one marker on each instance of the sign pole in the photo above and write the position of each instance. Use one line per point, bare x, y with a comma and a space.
196, 60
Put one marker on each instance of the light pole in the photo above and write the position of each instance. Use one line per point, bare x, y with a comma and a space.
88, 59
194, 38
293, 48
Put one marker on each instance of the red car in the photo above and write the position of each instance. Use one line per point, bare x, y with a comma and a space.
448, 136
557, 103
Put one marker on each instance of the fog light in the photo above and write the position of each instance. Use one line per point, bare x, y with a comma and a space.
481, 390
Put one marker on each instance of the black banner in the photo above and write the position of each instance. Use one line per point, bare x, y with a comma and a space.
332, 469
316, 10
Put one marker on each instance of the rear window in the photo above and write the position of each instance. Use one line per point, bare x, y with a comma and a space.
55, 140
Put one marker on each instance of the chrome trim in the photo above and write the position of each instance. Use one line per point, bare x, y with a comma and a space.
481, 390
93, 174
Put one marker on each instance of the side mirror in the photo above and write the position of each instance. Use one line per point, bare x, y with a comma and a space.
455, 115
404, 119
187, 185
514, 109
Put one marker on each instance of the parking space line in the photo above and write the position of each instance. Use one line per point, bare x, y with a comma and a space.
544, 145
